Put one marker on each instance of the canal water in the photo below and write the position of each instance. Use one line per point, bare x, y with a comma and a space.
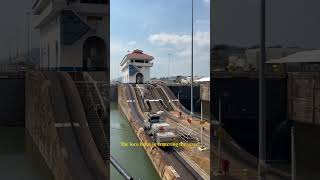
133, 159
19, 158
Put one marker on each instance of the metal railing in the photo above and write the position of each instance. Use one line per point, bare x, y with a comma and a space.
12, 68
186, 133
104, 137
120, 169
88, 78
176, 102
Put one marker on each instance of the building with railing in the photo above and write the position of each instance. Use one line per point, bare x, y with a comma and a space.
136, 66
74, 34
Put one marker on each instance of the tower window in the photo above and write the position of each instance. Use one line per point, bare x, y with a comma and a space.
139, 61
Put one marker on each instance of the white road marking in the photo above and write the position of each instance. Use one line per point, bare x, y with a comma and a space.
153, 100
173, 100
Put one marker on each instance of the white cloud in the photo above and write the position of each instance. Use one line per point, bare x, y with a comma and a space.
200, 39
160, 44
169, 39
132, 43
179, 45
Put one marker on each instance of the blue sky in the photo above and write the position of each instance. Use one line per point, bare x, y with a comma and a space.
159, 27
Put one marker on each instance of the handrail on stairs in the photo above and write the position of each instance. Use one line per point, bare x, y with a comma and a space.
95, 110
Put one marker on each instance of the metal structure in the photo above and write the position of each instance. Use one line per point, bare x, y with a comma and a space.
169, 54
28, 35
262, 114
120, 169
192, 65
186, 133
293, 154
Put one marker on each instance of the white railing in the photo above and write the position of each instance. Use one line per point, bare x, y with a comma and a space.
186, 133
88, 78
98, 117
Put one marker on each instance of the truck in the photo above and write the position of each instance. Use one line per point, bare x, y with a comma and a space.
160, 131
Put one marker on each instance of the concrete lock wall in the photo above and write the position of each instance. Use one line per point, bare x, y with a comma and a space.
69, 152
41, 127
154, 153
12, 102
184, 92
114, 93
304, 97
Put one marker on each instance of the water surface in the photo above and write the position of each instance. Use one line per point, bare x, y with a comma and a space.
133, 159
19, 158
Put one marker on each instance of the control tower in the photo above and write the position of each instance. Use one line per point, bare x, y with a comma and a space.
135, 67
74, 34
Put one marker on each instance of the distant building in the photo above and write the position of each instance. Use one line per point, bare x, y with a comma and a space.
187, 80
220, 56
203, 80
303, 61
253, 55
239, 59
135, 67
73, 34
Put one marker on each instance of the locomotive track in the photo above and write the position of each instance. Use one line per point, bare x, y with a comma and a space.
179, 165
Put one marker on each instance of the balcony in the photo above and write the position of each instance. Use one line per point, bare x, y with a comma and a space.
126, 64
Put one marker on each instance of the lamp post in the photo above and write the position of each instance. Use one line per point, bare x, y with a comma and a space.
262, 122
192, 64
202, 146
293, 154
219, 137
169, 54
28, 35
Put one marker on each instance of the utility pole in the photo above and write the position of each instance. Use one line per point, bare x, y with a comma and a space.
201, 124
219, 137
28, 35
179, 100
202, 145
293, 154
192, 65
262, 118
169, 66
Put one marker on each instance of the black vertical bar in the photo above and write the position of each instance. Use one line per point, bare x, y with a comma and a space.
262, 117
192, 64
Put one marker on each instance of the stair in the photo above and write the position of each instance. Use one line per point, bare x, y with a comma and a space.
90, 101
144, 106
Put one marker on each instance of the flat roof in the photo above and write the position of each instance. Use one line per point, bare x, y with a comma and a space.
206, 79
311, 56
